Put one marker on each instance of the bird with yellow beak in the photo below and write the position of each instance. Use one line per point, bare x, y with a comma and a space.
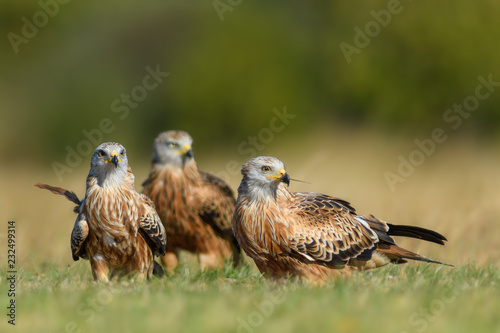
280, 175
309, 235
117, 229
196, 207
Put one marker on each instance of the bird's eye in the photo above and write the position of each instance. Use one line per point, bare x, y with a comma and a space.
172, 145
101, 153
265, 168
122, 152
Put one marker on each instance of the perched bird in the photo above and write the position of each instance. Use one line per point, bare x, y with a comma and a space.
196, 207
117, 229
310, 235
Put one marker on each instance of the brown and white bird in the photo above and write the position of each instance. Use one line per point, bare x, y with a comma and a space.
117, 229
196, 207
310, 235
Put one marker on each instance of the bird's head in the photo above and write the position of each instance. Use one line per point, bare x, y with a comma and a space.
109, 162
173, 148
262, 175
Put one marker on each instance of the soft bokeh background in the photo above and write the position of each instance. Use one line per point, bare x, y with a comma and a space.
226, 76
352, 120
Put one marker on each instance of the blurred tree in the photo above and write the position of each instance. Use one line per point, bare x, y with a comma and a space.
226, 76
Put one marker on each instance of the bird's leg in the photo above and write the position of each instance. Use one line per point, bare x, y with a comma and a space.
141, 276
170, 260
100, 268
208, 260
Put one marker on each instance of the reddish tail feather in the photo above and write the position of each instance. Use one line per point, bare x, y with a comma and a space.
70, 195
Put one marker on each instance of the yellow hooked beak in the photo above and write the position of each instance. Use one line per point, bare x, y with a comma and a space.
282, 177
114, 159
186, 150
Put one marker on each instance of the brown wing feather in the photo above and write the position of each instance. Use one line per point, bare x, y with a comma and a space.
218, 204
80, 230
79, 238
218, 208
379, 227
151, 227
326, 232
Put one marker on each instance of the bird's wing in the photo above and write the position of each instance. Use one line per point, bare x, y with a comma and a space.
70, 195
218, 204
79, 238
151, 227
324, 230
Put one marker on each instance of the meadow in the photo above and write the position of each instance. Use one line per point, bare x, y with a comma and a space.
454, 191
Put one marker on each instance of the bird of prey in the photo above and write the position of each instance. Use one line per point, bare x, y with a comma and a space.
311, 236
117, 229
195, 207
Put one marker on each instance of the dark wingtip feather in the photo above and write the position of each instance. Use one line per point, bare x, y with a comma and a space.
431, 261
158, 270
416, 232
71, 196
237, 253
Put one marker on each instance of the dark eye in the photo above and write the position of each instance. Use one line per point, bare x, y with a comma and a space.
172, 145
265, 168
122, 152
101, 153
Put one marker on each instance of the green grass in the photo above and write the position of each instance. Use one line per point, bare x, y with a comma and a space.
411, 298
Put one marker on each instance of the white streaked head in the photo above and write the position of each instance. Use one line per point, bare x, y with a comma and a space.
261, 177
109, 164
173, 148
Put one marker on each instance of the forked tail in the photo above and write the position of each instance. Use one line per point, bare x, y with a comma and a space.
388, 246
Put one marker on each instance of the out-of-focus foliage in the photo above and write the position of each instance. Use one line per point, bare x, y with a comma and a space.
227, 75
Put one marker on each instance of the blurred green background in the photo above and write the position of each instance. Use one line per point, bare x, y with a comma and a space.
226, 76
